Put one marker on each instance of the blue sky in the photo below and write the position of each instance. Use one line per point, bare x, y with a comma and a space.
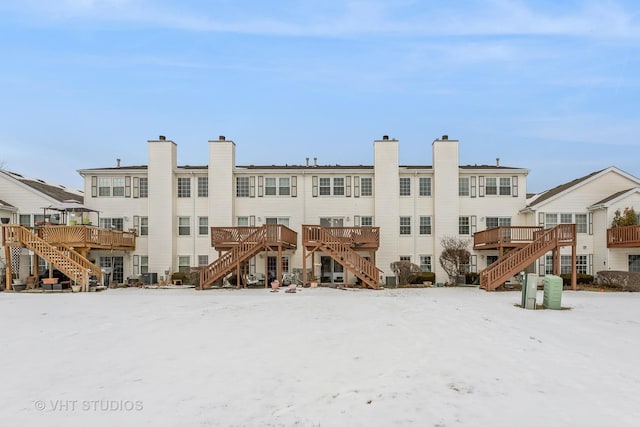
552, 86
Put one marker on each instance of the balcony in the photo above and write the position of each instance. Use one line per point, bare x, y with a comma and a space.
226, 238
505, 237
624, 237
85, 236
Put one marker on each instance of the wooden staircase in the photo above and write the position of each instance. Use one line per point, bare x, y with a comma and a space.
517, 260
65, 259
245, 249
338, 248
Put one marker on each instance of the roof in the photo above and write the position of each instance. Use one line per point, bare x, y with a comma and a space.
546, 195
305, 167
605, 202
55, 191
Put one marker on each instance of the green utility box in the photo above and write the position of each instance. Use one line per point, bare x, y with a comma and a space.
530, 291
552, 292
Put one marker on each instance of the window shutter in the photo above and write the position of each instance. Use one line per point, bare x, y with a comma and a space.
294, 186
260, 185
136, 187
356, 186
356, 220
472, 186
252, 221
541, 219
473, 224
590, 266
94, 186
347, 185
314, 183
590, 223
541, 266
514, 186
473, 264
127, 186
252, 186
481, 186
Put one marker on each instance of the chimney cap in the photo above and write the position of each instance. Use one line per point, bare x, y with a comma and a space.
162, 138
385, 137
445, 137
222, 138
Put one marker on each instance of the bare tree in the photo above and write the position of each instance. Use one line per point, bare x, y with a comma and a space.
405, 271
454, 257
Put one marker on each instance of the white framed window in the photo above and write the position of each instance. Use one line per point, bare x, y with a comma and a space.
463, 186
491, 186
277, 220
203, 225
566, 218
325, 186
144, 264
113, 223
242, 221
366, 186
242, 186
425, 263
424, 186
366, 221
104, 187
634, 263
491, 259
405, 186
332, 186
144, 188
203, 186
184, 226
118, 187
505, 186
203, 260
497, 221
550, 220
581, 224
464, 225
184, 263
284, 186
144, 225
338, 186
405, 225
405, 258
425, 225
184, 187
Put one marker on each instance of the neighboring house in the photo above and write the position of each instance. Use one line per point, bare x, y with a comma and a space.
23, 201
590, 202
173, 207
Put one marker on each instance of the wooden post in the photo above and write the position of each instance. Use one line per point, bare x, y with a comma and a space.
304, 264
7, 272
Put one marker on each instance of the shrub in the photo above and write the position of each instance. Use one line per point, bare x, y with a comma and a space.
471, 278
581, 279
425, 276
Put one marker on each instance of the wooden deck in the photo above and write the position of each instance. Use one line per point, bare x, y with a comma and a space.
501, 238
226, 238
359, 238
624, 237
89, 237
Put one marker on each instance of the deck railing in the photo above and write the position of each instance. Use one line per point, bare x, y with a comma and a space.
505, 236
84, 235
623, 237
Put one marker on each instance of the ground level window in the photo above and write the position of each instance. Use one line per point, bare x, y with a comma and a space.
425, 263
634, 263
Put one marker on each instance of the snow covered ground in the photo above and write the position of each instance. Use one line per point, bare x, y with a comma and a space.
319, 357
